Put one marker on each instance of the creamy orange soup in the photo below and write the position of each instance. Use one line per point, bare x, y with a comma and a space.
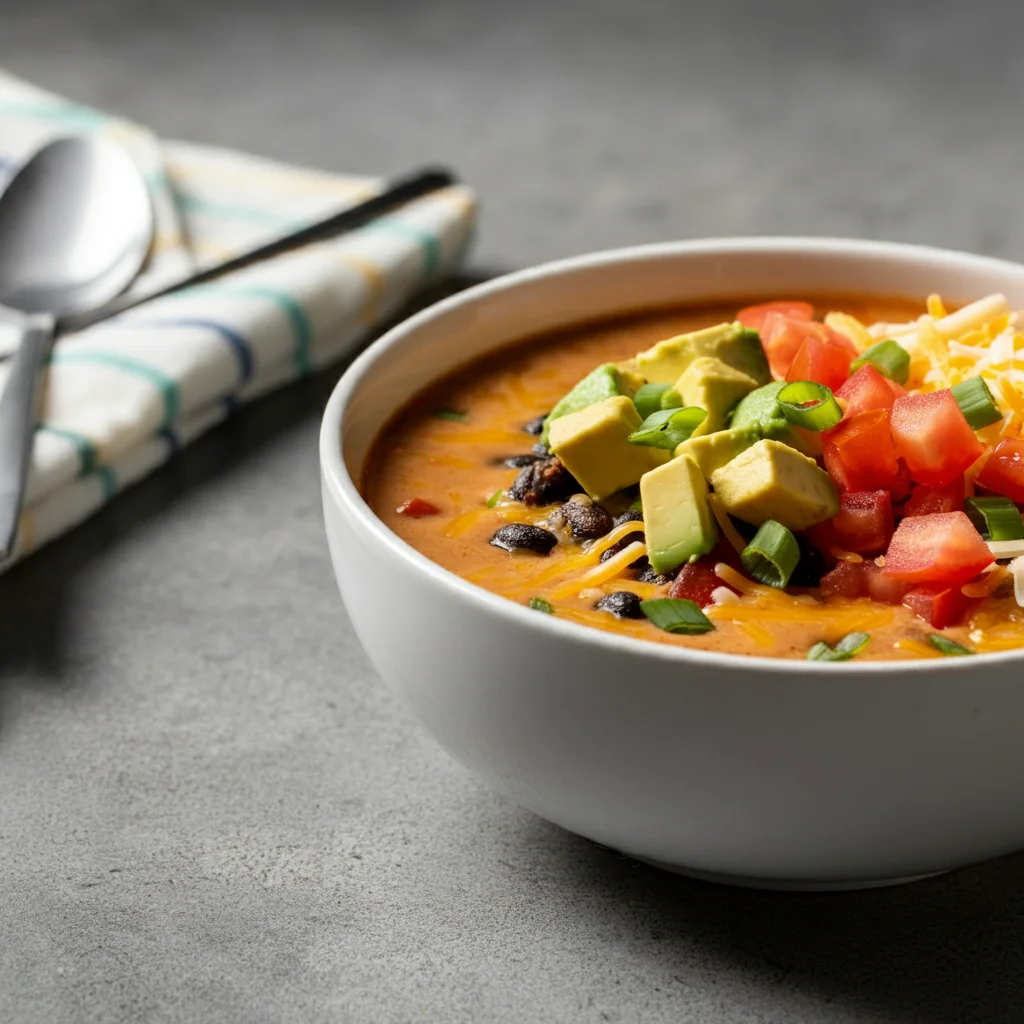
447, 449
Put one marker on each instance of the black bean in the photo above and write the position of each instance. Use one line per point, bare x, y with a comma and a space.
631, 515
536, 427
543, 483
520, 536
623, 604
648, 575
584, 519
541, 450
518, 461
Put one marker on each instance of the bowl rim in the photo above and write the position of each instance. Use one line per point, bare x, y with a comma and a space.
345, 492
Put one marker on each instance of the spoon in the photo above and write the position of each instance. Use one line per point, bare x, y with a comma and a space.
75, 226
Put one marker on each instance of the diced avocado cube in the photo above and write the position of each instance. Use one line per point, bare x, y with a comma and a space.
715, 387
734, 344
594, 445
713, 451
606, 381
760, 410
771, 480
678, 521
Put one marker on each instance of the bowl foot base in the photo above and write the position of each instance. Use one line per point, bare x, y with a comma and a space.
784, 884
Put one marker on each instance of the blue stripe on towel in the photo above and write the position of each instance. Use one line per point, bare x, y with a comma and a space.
239, 344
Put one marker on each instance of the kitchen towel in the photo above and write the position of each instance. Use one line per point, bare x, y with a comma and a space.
122, 397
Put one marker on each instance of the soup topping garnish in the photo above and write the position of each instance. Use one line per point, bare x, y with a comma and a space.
776, 468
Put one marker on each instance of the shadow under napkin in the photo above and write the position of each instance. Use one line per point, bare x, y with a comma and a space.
34, 638
940, 951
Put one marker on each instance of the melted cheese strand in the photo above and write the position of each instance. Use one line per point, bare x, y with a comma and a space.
732, 535
759, 634
603, 572
599, 547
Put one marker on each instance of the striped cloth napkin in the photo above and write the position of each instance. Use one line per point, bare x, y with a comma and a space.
122, 397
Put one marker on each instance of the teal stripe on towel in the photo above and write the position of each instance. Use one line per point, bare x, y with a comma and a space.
167, 387
302, 329
426, 240
108, 481
85, 448
64, 113
191, 203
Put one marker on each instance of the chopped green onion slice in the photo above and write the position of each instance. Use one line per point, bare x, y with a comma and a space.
495, 498
950, 648
676, 615
538, 604
772, 555
648, 398
851, 644
451, 414
976, 403
668, 428
810, 405
889, 358
671, 399
995, 518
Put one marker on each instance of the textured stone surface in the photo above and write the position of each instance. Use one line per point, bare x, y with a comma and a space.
210, 809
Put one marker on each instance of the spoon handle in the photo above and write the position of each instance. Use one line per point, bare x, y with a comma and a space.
419, 183
18, 405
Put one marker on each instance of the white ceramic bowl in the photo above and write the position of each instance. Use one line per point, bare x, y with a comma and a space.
749, 770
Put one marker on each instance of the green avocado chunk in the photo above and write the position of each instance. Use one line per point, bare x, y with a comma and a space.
678, 521
771, 480
713, 451
735, 345
594, 445
606, 381
715, 387
760, 411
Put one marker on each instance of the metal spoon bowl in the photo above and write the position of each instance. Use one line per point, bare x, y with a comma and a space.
76, 224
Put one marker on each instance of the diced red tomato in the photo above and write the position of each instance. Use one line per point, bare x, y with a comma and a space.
900, 487
1003, 473
696, 582
938, 604
784, 336
416, 508
781, 338
863, 579
925, 500
859, 453
898, 390
867, 389
754, 316
882, 588
942, 547
864, 522
820, 361
933, 437
847, 579
822, 536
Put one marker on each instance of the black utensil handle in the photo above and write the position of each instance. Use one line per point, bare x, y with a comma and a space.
18, 406
403, 190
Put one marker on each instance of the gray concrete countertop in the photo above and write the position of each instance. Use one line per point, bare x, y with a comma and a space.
210, 808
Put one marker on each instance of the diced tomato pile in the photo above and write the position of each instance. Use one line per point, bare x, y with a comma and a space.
898, 461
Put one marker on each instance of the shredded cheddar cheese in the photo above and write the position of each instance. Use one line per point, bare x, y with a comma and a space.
726, 525
603, 572
599, 547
